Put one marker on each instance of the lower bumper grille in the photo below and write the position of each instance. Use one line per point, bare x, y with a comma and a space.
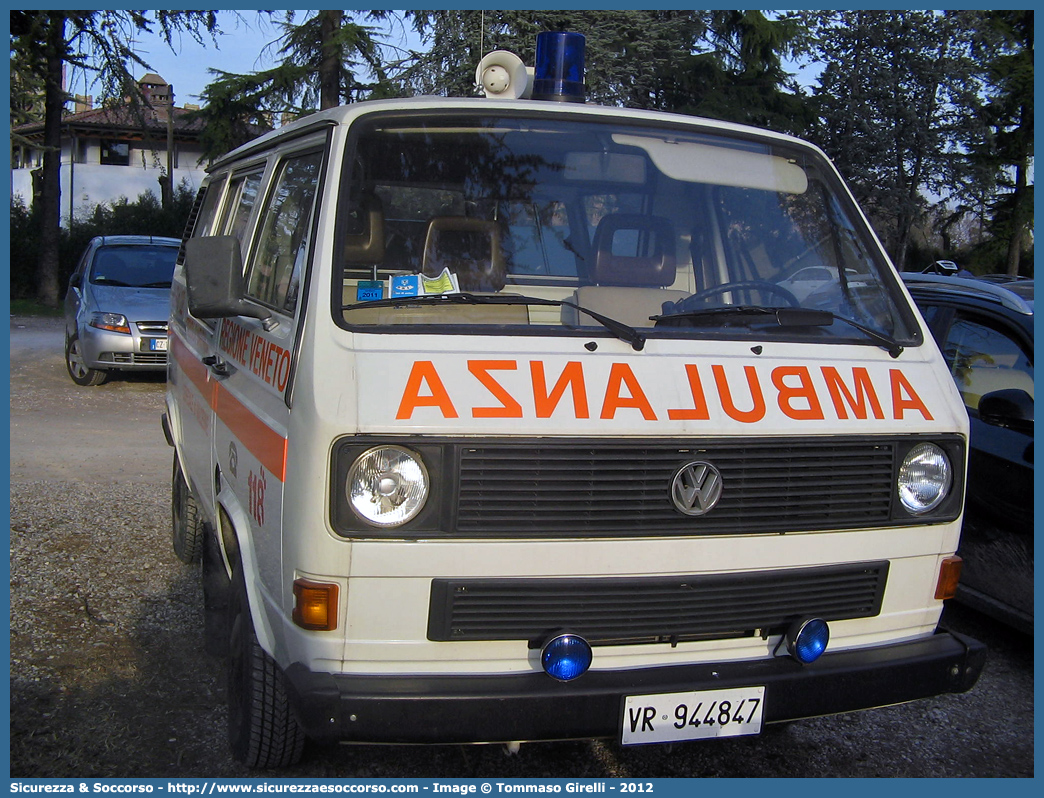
135, 358
652, 609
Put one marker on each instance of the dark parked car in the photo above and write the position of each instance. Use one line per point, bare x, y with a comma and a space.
117, 307
985, 331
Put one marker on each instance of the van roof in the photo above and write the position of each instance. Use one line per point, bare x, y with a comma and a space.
347, 113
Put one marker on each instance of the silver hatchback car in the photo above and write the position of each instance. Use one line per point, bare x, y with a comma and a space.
117, 307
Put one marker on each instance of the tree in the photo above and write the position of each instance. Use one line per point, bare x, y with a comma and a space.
321, 61
721, 64
42, 43
1007, 150
454, 43
28, 70
738, 75
890, 103
629, 55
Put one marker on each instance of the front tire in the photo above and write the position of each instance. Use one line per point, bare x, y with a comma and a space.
186, 523
78, 369
262, 729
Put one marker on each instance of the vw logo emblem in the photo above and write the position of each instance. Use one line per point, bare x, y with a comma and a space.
696, 488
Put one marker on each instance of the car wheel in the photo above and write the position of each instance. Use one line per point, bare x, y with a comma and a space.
262, 729
187, 526
79, 371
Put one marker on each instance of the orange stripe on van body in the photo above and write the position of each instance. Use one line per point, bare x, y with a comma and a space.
267, 445
190, 366
264, 443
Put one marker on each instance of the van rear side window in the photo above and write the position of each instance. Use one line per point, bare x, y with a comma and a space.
239, 206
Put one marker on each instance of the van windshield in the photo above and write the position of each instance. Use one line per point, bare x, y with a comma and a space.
671, 232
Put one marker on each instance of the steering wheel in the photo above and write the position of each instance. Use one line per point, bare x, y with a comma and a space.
750, 286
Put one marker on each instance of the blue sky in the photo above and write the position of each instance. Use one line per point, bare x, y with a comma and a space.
240, 48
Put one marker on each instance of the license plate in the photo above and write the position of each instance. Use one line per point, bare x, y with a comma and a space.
671, 717
157, 344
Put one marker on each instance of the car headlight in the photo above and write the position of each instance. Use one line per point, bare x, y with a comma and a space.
387, 485
925, 478
113, 322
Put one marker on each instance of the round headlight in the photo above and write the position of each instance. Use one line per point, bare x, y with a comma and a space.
925, 478
387, 486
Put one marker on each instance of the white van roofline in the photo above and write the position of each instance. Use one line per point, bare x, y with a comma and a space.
345, 114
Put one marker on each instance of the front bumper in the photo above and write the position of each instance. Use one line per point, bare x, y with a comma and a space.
532, 706
103, 349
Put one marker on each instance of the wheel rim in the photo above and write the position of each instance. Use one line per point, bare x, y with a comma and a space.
76, 364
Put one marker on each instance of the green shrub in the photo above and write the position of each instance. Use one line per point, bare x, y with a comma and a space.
25, 249
144, 216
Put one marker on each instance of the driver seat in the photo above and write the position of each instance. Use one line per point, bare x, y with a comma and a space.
632, 267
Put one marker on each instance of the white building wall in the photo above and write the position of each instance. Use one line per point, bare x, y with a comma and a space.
84, 185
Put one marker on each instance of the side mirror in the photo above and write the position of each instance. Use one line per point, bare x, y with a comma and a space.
1011, 408
214, 279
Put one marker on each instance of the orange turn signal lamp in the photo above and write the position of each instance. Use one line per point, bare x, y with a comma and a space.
315, 605
949, 576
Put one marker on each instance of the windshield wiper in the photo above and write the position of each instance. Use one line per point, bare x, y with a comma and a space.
622, 331
886, 342
782, 317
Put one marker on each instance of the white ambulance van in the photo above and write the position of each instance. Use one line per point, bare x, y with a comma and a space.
501, 419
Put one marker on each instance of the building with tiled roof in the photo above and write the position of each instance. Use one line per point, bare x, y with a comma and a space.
113, 152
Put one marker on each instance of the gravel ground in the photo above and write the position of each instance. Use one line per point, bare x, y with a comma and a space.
109, 678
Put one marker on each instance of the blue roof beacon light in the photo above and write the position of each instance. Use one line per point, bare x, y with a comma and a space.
559, 71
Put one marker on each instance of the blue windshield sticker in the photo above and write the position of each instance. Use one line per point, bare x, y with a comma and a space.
405, 285
369, 290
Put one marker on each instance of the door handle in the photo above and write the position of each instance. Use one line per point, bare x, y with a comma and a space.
218, 366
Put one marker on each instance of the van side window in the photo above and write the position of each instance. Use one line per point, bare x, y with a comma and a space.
275, 273
242, 196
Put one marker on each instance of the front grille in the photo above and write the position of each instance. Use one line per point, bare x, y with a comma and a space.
652, 609
547, 488
152, 327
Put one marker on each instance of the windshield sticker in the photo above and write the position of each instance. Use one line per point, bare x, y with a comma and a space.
420, 285
369, 290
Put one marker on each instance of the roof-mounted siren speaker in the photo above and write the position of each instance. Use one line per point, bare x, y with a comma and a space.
502, 75
559, 71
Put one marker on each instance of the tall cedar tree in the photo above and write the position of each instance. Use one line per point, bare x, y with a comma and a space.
1008, 149
321, 59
